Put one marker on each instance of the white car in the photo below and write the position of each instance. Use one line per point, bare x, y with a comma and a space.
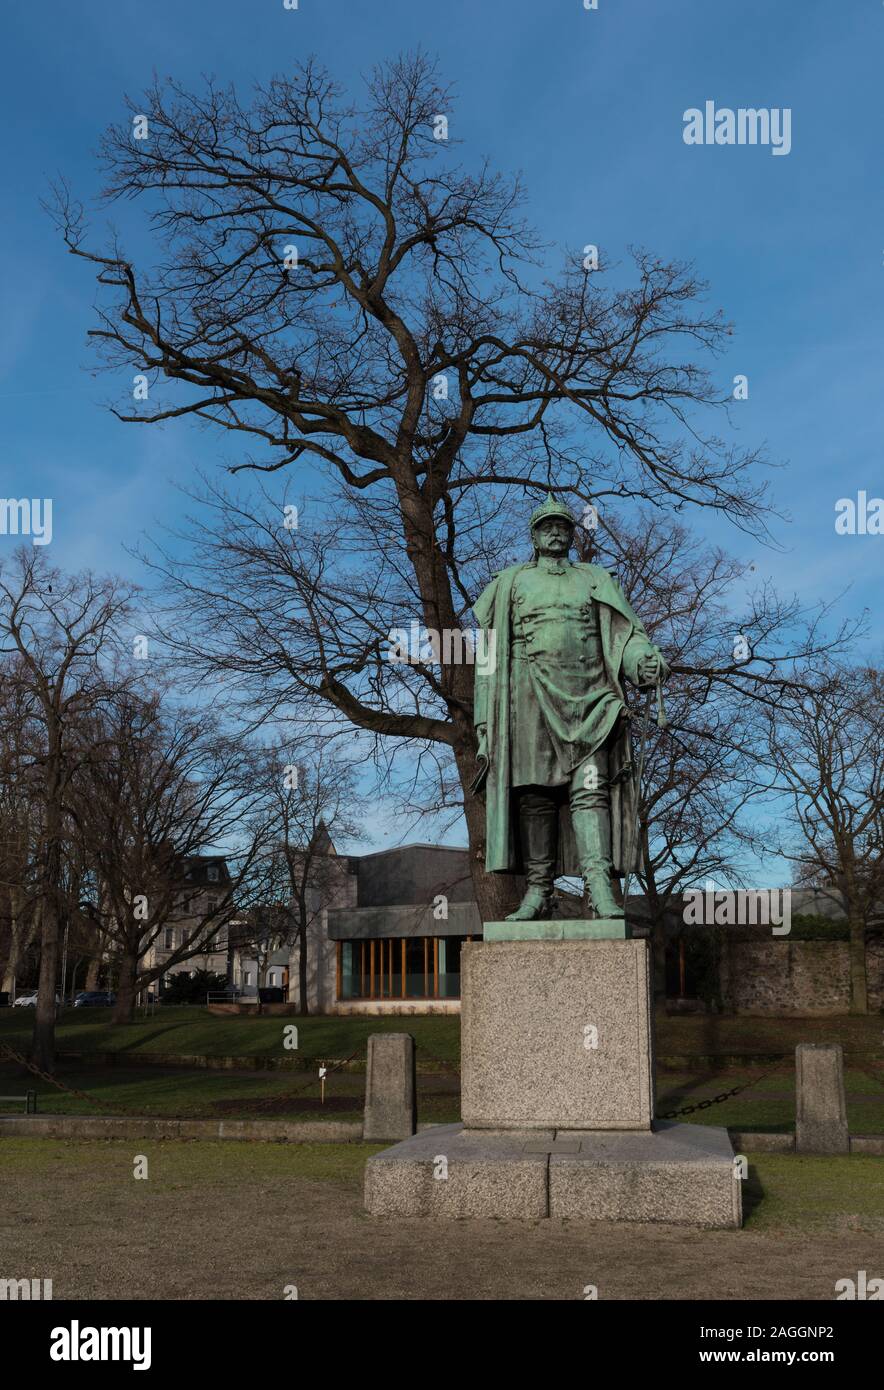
29, 1001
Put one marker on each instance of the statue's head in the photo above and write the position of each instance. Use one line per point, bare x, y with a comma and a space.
552, 528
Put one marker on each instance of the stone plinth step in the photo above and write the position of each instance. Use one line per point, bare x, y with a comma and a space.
681, 1174
446, 1171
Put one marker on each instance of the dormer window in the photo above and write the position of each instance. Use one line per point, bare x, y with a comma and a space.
212, 873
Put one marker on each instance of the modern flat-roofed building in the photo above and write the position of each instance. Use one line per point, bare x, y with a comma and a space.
384, 933
397, 941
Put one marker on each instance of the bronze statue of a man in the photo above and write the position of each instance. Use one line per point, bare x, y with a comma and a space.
552, 719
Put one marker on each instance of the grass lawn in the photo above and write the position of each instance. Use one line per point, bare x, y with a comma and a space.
191, 1030
198, 1093
224, 1220
796, 1192
218, 1095
194, 1031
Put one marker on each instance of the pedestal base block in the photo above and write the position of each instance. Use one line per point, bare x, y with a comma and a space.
448, 1172
681, 1174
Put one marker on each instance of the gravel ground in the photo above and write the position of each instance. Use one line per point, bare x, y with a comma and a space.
228, 1221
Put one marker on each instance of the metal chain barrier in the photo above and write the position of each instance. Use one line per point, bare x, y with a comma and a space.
868, 1069
10, 1052
116, 1106
723, 1095
329, 1071
448, 1067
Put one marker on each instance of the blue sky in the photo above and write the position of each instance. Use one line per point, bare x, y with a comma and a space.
588, 104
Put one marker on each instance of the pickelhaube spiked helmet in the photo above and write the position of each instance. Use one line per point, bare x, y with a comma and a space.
551, 508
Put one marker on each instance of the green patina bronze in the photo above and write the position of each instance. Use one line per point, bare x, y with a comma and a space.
552, 720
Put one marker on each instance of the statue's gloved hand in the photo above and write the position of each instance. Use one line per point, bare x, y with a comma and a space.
482, 751
648, 670
651, 668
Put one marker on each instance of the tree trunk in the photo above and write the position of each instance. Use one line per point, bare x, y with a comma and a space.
496, 894
258, 973
125, 1005
43, 1042
303, 1001
657, 919
658, 960
75, 970
92, 973
21, 932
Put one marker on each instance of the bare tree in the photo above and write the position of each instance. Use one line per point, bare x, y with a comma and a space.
734, 647
827, 743
20, 820
333, 286
309, 797
64, 632
164, 787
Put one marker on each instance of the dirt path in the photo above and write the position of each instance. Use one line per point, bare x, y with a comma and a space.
200, 1229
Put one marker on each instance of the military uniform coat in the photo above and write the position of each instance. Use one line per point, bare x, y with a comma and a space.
611, 644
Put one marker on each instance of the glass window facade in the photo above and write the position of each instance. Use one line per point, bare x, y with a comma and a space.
423, 967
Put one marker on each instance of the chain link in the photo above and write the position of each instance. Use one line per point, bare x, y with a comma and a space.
115, 1106
449, 1066
869, 1070
10, 1052
722, 1096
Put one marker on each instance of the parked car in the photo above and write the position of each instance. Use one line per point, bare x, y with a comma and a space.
29, 1001
94, 999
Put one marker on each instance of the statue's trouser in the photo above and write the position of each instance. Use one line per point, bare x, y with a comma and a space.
539, 830
590, 802
591, 819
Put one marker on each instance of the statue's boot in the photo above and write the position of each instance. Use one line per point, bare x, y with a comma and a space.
539, 825
592, 832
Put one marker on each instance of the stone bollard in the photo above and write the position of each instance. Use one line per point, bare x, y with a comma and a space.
390, 1096
820, 1108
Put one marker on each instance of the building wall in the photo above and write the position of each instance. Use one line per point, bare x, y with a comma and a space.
339, 891
215, 959
245, 972
412, 876
321, 968
795, 977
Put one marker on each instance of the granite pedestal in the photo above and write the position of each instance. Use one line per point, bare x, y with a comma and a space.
557, 1101
556, 1035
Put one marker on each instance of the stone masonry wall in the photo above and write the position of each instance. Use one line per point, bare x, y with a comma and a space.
795, 977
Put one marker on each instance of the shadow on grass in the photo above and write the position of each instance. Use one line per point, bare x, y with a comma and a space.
753, 1193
